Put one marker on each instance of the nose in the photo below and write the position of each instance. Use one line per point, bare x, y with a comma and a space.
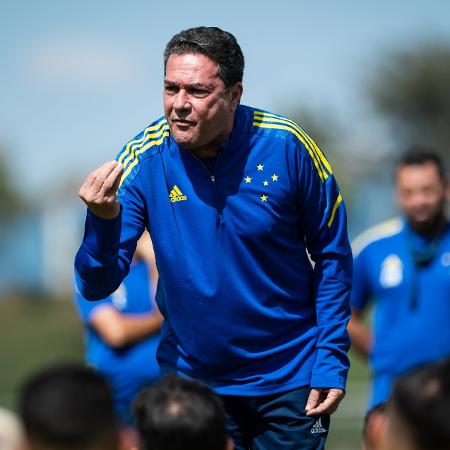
181, 102
420, 198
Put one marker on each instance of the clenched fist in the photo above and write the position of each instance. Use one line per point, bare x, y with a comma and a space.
99, 190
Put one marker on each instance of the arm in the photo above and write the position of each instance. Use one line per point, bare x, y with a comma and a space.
119, 329
323, 223
359, 333
111, 232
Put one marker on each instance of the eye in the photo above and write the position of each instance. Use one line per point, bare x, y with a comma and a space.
198, 92
170, 89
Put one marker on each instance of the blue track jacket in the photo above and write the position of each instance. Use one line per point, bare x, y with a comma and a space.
245, 309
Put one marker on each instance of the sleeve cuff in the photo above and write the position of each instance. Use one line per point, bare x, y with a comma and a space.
102, 236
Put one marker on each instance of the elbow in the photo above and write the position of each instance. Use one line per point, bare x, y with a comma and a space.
93, 292
95, 284
93, 296
115, 337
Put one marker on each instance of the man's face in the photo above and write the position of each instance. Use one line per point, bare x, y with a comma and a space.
199, 111
421, 193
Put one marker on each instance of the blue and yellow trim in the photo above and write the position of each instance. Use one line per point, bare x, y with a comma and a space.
334, 209
152, 136
264, 119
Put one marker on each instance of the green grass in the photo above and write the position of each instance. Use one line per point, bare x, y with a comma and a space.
35, 333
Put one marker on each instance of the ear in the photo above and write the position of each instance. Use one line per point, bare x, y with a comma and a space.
236, 94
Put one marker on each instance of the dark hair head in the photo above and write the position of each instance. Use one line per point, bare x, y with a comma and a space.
68, 407
421, 400
179, 414
417, 155
380, 408
218, 45
372, 426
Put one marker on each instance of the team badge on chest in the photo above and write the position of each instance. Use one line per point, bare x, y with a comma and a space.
391, 274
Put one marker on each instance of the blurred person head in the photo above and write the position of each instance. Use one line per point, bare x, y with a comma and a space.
179, 414
373, 426
11, 432
66, 407
422, 188
203, 70
418, 412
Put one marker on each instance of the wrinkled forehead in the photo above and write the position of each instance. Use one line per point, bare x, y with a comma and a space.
191, 68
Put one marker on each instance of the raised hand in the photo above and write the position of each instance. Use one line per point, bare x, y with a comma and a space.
99, 190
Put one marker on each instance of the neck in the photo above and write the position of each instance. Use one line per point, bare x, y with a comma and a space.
206, 152
430, 229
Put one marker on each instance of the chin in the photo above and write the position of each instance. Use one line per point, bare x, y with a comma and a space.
423, 223
186, 144
184, 141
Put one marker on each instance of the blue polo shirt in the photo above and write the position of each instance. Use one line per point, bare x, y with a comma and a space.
411, 300
133, 367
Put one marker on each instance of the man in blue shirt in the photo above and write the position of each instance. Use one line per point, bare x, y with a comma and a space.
403, 266
122, 332
238, 201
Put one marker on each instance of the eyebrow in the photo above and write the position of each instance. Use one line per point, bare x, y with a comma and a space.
193, 85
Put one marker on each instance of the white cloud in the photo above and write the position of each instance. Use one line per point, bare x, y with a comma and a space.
80, 62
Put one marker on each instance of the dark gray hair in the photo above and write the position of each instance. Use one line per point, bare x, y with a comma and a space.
218, 45
417, 155
180, 414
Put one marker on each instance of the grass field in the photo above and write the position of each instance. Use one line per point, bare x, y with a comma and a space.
34, 333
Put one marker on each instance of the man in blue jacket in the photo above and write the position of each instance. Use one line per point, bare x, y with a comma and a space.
238, 201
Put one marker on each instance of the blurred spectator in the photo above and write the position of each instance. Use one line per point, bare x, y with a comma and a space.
403, 266
11, 433
68, 407
180, 414
122, 332
373, 425
418, 413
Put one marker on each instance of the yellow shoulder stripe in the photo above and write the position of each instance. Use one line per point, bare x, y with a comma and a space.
138, 142
142, 150
333, 211
260, 115
302, 138
320, 170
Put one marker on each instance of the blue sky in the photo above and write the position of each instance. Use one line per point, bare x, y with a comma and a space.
79, 79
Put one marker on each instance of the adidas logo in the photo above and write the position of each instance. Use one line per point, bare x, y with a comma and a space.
317, 427
176, 195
